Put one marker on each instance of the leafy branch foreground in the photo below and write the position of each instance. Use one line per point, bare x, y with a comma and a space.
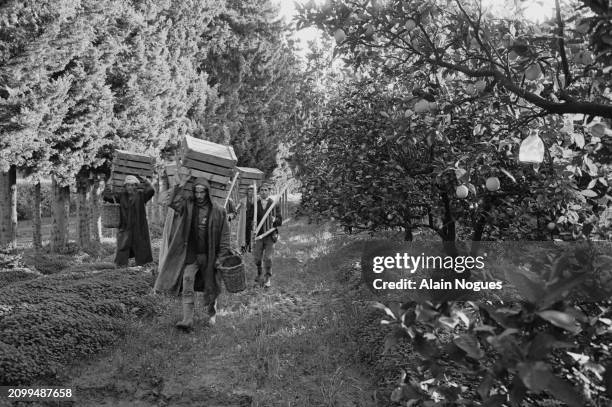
48, 322
552, 345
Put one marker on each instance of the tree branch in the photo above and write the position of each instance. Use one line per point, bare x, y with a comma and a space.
589, 108
564, 64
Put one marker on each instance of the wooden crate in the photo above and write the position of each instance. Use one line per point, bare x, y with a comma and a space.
207, 156
248, 173
215, 162
128, 163
217, 182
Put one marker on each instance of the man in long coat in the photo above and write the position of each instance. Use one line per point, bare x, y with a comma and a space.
133, 239
197, 237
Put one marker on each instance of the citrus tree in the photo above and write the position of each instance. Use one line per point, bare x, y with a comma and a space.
499, 127
469, 98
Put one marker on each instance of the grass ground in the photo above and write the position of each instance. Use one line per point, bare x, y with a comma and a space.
290, 345
310, 340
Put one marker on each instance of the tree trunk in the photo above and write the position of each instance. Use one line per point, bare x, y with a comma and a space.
95, 222
83, 224
61, 202
481, 222
8, 207
37, 217
448, 227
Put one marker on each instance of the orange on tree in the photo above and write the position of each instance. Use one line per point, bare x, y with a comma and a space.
462, 192
492, 184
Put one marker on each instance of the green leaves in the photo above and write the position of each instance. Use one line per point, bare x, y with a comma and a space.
562, 320
529, 287
469, 344
535, 375
564, 391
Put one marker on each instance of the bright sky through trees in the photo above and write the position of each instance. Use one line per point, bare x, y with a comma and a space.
534, 10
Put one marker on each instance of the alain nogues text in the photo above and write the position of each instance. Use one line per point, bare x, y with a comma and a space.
412, 264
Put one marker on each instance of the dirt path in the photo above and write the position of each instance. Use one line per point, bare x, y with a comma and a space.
289, 345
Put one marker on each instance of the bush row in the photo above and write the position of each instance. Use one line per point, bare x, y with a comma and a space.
9, 276
48, 322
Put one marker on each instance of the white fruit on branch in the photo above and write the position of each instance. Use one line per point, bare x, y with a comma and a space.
598, 129
410, 24
339, 35
462, 192
492, 184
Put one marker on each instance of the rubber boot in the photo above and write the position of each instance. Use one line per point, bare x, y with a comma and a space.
268, 273
187, 323
212, 313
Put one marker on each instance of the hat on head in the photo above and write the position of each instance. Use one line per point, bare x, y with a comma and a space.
202, 181
130, 179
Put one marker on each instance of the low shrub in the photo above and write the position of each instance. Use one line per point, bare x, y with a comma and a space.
48, 322
9, 276
48, 263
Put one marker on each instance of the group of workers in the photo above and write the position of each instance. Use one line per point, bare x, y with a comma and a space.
196, 237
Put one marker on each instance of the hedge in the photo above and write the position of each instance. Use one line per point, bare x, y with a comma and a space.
48, 322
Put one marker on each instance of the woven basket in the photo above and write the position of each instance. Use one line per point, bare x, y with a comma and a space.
111, 215
233, 273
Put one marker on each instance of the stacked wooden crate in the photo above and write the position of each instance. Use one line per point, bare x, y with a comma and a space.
129, 163
247, 177
215, 162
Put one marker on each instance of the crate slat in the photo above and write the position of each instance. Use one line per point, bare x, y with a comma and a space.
131, 156
132, 171
122, 162
206, 167
211, 177
214, 192
250, 173
246, 183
